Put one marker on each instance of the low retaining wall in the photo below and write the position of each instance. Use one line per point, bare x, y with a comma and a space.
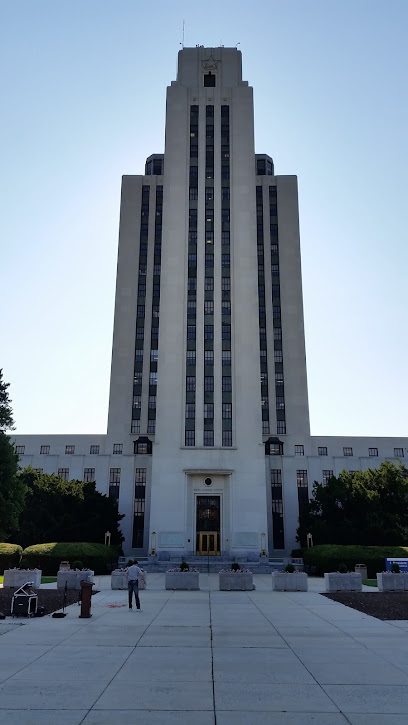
17, 577
73, 578
336, 582
282, 581
182, 580
389, 582
236, 581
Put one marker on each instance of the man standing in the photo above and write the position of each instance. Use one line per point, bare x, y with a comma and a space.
133, 574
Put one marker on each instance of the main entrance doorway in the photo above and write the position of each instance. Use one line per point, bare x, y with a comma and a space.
208, 525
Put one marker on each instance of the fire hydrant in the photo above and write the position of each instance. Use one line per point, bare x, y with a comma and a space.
86, 594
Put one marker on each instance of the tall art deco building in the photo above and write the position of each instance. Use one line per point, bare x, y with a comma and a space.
208, 448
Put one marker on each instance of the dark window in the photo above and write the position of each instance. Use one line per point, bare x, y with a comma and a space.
299, 451
277, 509
209, 193
209, 357
209, 307
398, 452
89, 475
226, 332
226, 357
322, 450
281, 427
225, 193
226, 382
191, 332
280, 402
135, 426
20, 450
347, 451
190, 410
227, 438
208, 411
209, 383
44, 449
139, 508
226, 307
152, 402
192, 284
209, 284
69, 449
190, 438
191, 357
208, 437
118, 448
137, 401
193, 194
303, 491
326, 475
209, 80
63, 473
226, 411
225, 260
208, 332
114, 483
373, 451
209, 259
94, 449
191, 308
226, 284
190, 383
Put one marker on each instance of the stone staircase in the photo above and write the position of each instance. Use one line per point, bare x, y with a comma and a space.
213, 564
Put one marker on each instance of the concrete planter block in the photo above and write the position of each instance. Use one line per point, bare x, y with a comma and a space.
389, 582
236, 581
282, 581
336, 582
73, 578
119, 580
17, 577
182, 580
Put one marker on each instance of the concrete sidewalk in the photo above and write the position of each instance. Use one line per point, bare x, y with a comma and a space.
258, 658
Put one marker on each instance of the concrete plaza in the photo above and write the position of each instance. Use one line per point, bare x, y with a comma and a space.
205, 658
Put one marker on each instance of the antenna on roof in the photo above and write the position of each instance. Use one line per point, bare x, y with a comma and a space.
237, 44
182, 36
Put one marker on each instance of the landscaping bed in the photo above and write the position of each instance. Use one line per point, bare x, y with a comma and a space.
51, 599
382, 605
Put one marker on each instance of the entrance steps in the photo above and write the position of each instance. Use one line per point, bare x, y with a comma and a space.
210, 564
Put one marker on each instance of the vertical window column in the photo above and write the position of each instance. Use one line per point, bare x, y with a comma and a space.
154, 336
277, 318
278, 527
226, 392
139, 508
208, 435
140, 312
262, 312
303, 491
189, 423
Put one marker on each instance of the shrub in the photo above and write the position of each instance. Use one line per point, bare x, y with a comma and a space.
395, 568
326, 557
77, 564
235, 566
48, 557
343, 568
130, 562
184, 566
24, 563
289, 568
10, 555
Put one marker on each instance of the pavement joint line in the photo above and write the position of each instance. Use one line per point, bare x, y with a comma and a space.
212, 658
298, 658
132, 650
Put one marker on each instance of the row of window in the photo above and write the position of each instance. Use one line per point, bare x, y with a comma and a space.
347, 451
208, 439
208, 357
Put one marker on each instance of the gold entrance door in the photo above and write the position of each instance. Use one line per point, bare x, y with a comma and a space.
208, 526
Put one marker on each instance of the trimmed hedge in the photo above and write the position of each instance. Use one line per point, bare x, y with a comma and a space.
10, 555
327, 557
48, 557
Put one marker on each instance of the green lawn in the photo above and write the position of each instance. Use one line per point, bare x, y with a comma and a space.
44, 579
370, 582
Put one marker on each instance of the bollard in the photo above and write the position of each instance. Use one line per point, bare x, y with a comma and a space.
86, 594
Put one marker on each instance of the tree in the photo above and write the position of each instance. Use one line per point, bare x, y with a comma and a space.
6, 413
367, 507
59, 510
12, 490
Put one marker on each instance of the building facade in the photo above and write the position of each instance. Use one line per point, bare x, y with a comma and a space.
208, 448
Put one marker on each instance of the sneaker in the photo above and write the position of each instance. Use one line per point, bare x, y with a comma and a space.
140, 609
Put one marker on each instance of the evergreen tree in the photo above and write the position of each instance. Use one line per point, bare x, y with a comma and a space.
367, 507
12, 489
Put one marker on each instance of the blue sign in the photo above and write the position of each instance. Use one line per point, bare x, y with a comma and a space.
402, 563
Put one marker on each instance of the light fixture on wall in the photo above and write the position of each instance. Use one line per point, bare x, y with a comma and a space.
263, 544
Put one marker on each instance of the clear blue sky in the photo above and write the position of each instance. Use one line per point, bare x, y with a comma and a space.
83, 102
